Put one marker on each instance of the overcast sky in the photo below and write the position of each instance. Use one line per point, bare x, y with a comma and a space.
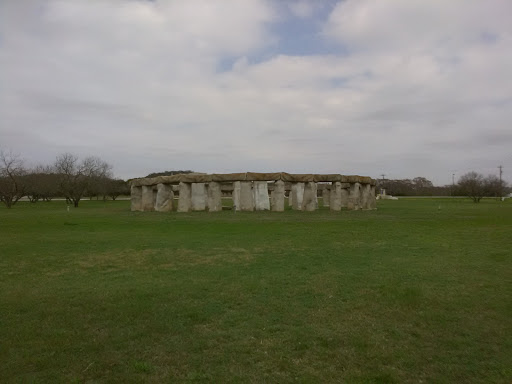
401, 87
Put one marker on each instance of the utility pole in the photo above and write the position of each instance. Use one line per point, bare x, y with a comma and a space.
382, 176
501, 173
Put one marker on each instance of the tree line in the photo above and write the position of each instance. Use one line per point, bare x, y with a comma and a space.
74, 178
69, 177
472, 184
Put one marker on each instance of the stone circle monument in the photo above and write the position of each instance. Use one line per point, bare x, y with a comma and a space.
252, 192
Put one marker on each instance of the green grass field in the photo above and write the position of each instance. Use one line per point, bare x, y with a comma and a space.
418, 291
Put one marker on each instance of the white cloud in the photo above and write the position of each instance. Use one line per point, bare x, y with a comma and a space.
191, 85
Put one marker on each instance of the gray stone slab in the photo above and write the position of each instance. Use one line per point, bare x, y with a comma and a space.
297, 194
214, 197
354, 198
236, 195
147, 198
136, 198
198, 197
365, 196
310, 201
277, 197
335, 195
185, 198
326, 197
373, 199
261, 199
345, 192
246, 196
164, 198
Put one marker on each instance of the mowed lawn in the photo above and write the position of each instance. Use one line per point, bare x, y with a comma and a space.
418, 291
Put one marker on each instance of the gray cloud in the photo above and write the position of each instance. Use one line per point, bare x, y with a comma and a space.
138, 84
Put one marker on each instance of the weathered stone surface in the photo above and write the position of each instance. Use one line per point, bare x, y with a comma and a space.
335, 201
250, 176
195, 177
373, 200
327, 178
297, 178
185, 198
365, 196
198, 197
253, 176
147, 198
236, 195
354, 199
164, 198
214, 197
345, 192
326, 197
261, 200
297, 194
277, 197
310, 201
246, 196
353, 192
136, 198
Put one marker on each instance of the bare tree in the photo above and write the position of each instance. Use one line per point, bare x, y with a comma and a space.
12, 171
117, 187
492, 186
41, 183
472, 184
77, 176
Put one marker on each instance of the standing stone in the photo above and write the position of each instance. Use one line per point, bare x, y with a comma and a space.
136, 198
354, 199
365, 196
326, 196
373, 200
185, 197
297, 194
277, 197
345, 191
236, 195
214, 197
155, 191
147, 198
198, 196
246, 196
164, 198
335, 201
261, 201
310, 202
290, 199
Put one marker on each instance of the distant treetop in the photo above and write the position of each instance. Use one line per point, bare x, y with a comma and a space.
168, 173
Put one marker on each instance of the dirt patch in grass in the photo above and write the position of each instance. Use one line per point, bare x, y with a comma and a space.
161, 258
